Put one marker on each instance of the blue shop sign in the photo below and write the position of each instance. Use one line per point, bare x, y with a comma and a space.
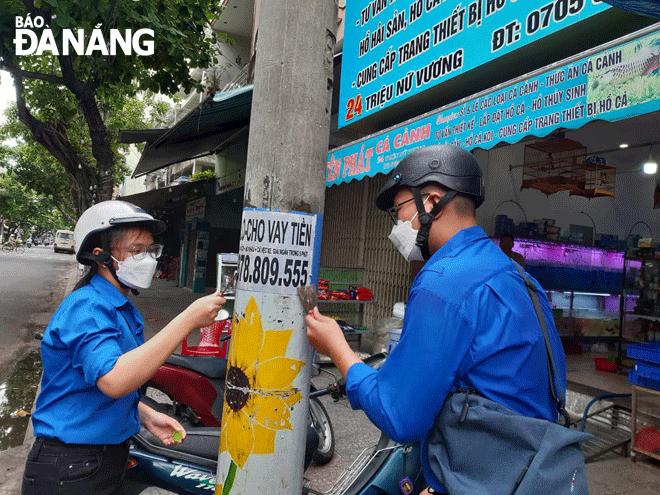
612, 84
394, 49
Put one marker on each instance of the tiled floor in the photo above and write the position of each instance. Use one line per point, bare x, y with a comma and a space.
623, 477
613, 474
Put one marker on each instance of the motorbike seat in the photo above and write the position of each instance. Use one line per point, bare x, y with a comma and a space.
209, 366
200, 445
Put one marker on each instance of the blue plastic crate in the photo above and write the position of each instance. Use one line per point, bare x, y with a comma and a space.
644, 352
647, 370
643, 381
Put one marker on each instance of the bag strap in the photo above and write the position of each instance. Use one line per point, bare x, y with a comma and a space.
552, 370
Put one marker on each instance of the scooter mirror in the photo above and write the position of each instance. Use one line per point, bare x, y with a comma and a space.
223, 314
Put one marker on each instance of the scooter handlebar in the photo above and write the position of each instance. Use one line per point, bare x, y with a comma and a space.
335, 390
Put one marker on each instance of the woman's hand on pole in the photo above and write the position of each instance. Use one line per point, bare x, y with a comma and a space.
135, 367
202, 312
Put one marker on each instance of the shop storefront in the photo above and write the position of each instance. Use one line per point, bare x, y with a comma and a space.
203, 216
573, 211
597, 98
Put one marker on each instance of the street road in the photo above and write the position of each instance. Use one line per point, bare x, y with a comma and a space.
32, 285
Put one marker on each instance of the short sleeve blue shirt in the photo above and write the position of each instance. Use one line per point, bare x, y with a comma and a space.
93, 326
469, 322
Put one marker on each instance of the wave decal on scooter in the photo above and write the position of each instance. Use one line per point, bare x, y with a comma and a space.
205, 481
259, 393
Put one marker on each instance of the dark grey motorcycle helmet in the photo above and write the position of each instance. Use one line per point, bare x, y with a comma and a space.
450, 166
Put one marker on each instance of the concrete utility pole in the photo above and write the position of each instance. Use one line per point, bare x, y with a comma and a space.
264, 420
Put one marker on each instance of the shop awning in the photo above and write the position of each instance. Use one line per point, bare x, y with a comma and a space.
644, 7
167, 195
609, 83
203, 131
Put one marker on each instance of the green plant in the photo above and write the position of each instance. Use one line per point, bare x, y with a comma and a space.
204, 175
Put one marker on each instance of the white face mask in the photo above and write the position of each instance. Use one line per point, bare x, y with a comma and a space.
404, 238
136, 274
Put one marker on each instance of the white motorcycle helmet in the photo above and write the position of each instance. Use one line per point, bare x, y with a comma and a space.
100, 218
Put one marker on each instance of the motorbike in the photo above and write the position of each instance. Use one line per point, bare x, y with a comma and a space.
388, 468
187, 468
192, 388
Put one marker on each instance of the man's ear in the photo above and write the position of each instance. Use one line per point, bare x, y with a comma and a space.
434, 198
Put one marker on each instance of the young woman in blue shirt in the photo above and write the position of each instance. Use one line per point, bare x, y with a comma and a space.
95, 358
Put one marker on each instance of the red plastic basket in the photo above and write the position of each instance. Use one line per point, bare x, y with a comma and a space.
209, 341
603, 364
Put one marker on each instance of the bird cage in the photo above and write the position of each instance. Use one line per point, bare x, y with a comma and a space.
600, 178
553, 165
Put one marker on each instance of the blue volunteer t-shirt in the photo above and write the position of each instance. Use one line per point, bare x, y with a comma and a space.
92, 327
469, 322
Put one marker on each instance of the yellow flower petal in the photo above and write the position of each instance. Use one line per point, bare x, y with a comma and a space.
273, 411
260, 356
277, 373
293, 396
247, 339
240, 437
264, 440
275, 344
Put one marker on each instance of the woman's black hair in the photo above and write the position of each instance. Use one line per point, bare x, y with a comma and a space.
87, 278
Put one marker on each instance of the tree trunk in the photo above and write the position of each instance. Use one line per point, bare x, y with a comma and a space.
98, 132
89, 186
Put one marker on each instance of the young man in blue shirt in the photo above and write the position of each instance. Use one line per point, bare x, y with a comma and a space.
469, 320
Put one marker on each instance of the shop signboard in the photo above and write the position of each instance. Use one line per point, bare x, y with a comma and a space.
196, 209
230, 181
201, 247
394, 49
611, 85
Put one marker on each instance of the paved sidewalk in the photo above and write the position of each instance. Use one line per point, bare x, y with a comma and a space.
163, 301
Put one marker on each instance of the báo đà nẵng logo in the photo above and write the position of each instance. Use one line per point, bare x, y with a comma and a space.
28, 42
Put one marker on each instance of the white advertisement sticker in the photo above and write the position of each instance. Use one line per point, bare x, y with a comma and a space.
276, 251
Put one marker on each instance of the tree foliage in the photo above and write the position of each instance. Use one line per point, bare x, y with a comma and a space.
36, 169
74, 104
22, 207
32, 169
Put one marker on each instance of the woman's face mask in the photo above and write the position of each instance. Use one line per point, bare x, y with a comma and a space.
404, 238
136, 274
